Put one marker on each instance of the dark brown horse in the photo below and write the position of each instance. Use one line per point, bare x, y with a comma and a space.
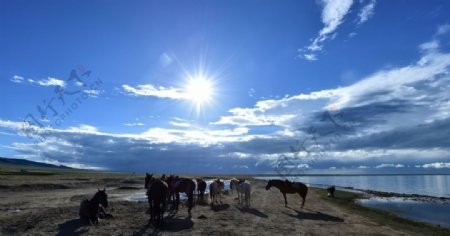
181, 185
156, 194
201, 187
90, 209
289, 187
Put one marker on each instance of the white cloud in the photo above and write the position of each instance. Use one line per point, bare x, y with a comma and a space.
251, 92
390, 166
43, 82
134, 124
180, 122
430, 46
152, 91
363, 167
443, 29
92, 93
310, 57
84, 129
437, 165
333, 13
366, 11
51, 82
17, 79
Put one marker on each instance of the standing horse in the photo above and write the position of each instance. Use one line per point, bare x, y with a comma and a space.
289, 187
181, 185
233, 185
215, 188
201, 187
156, 194
243, 189
90, 209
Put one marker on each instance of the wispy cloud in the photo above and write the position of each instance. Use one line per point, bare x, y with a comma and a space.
366, 11
17, 79
389, 166
152, 91
134, 124
51, 82
333, 13
437, 165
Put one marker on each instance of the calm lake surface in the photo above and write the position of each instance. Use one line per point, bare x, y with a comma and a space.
431, 185
436, 213
431, 212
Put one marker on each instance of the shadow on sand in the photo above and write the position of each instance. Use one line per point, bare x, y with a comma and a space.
220, 207
252, 211
72, 227
172, 224
314, 215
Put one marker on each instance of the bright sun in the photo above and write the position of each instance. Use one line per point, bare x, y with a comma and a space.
199, 90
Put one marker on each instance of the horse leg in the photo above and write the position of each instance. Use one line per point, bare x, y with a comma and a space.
285, 200
177, 200
190, 201
304, 198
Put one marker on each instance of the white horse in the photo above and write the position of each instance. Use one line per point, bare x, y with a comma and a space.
215, 188
234, 183
244, 189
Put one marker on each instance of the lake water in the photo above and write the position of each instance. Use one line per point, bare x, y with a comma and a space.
434, 212
431, 212
431, 185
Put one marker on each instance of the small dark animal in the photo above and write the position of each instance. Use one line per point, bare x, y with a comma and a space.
90, 209
201, 187
331, 191
289, 187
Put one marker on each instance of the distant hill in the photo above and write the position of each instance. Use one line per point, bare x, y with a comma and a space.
26, 164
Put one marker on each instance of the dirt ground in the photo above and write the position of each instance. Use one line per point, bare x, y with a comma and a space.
49, 206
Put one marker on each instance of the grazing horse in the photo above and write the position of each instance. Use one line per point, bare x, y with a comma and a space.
243, 189
234, 185
90, 209
215, 188
201, 187
289, 187
181, 185
156, 194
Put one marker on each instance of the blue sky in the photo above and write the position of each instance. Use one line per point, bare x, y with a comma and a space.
289, 87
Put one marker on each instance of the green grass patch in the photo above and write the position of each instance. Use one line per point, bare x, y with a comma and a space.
347, 200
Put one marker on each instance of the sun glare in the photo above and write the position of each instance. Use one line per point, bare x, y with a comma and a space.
199, 90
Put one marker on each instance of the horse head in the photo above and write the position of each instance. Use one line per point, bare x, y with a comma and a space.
102, 197
148, 178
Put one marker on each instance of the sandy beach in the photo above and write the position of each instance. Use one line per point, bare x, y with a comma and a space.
48, 205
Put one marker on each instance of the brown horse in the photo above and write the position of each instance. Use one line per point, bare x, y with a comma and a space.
90, 210
289, 187
181, 185
201, 187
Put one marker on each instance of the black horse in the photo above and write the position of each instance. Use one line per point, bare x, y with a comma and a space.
90, 209
201, 187
157, 191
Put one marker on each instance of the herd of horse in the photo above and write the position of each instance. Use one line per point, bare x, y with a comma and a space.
166, 190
